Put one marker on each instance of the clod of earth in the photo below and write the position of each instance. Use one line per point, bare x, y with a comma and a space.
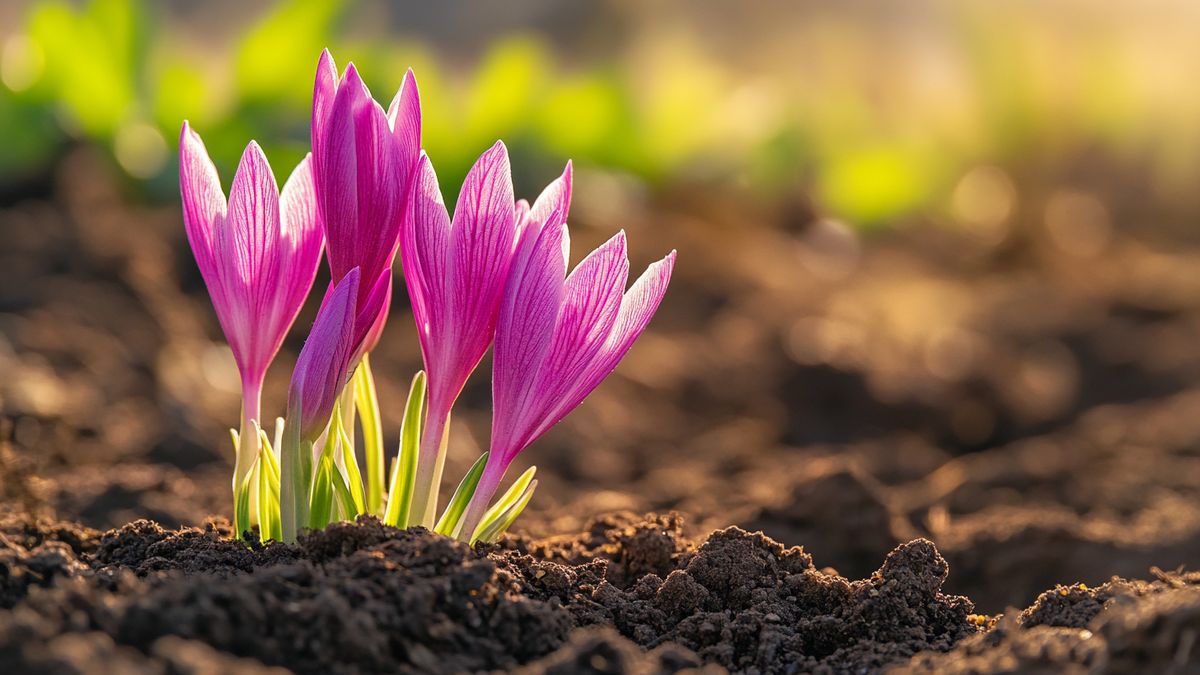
629, 594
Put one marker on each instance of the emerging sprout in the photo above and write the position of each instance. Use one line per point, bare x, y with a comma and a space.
495, 272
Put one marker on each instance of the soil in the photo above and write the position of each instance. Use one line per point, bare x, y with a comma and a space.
920, 450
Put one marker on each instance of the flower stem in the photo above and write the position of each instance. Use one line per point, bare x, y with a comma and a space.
248, 446
367, 401
493, 473
295, 468
430, 463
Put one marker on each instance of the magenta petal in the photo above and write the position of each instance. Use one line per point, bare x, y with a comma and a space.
322, 367
404, 117
554, 203
324, 90
482, 236
638, 306
301, 243
336, 174
358, 184
248, 253
591, 300
423, 252
381, 194
524, 334
203, 202
372, 315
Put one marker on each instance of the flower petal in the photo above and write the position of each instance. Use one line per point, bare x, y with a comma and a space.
638, 306
372, 315
322, 367
424, 253
524, 334
203, 202
335, 169
324, 90
555, 201
247, 254
590, 305
482, 237
404, 117
301, 242
381, 194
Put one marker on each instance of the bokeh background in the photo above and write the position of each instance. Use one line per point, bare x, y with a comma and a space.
939, 267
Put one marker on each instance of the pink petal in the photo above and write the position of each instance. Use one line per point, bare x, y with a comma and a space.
638, 306
482, 239
524, 334
203, 202
591, 303
358, 184
324, 90
555, 201
404, 117
301, 242
335, 170
481, 236
247, 253
322, 369
425, 242
372, 315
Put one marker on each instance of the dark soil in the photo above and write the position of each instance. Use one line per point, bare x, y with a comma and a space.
1031, 410
628, 595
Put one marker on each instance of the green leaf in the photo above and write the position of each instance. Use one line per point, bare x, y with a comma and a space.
241, 503
366, 400
501, 523
404, 468
345, 499
296, 479
448, 524
510, 497
320, 506
279, 424
269, 525
357, 504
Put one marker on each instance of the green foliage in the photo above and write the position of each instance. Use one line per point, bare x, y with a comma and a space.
871, 144
404, 468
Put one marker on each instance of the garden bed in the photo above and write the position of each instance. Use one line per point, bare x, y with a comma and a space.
368, 598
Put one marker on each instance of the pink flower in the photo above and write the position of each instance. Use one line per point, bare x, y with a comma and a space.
322, 370
558, 336
455, 271
258, 255
323, 367
363, 163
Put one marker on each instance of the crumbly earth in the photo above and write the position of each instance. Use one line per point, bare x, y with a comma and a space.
628, 595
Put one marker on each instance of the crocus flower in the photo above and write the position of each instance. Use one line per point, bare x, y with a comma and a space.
322, 370
258, 255
556, 338
455, 271
363, 163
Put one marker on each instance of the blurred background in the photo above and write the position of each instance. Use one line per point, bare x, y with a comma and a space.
939, 267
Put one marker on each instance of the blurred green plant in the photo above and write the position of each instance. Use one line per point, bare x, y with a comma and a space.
871, 147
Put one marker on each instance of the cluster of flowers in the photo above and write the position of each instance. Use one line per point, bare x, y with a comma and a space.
494, 273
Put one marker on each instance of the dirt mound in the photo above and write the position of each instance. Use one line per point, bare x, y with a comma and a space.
365, 598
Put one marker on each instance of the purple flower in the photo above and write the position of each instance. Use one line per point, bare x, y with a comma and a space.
258, 255
556, 338
455, 271
322, 369
363, 163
